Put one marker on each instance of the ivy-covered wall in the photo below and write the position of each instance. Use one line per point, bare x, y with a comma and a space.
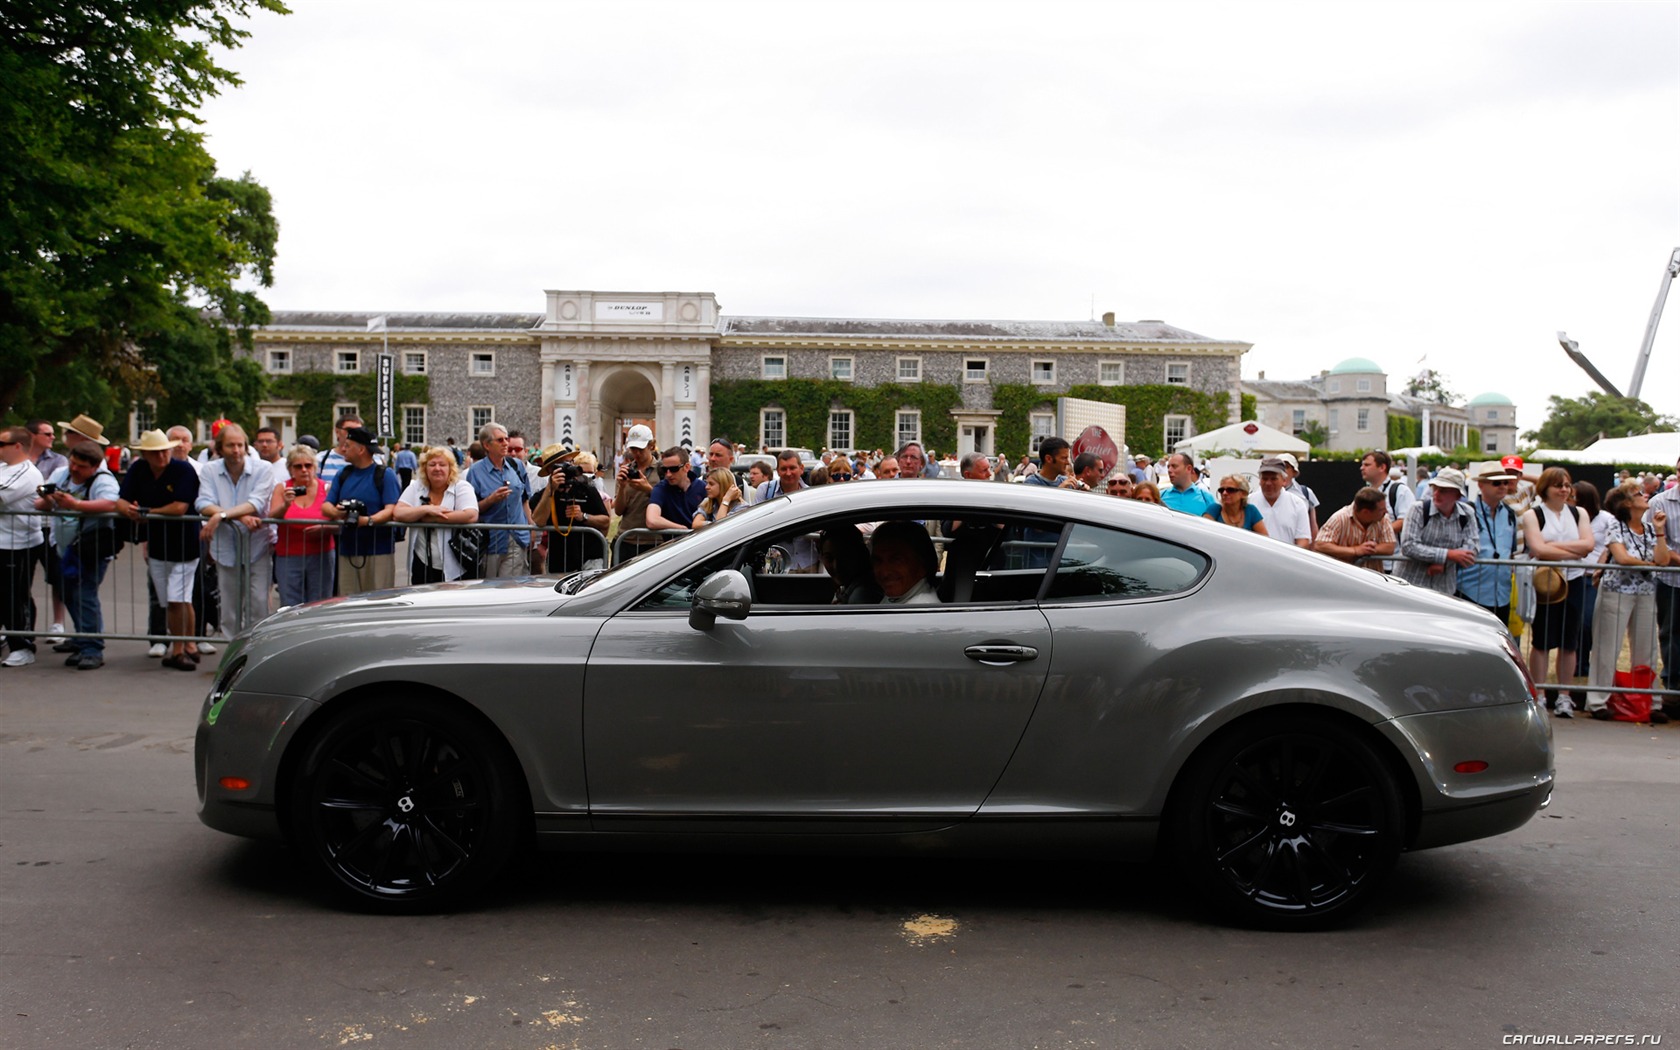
1146, 406
319, 391
807, 402
1404, 432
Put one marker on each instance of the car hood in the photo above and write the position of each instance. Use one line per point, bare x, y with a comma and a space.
525, 596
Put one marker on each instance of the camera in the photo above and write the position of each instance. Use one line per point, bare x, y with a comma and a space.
576, 486
632, 473
300, 490
45, 490
353, 510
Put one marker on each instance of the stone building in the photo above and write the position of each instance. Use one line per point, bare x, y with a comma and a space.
1352, 404
594, 362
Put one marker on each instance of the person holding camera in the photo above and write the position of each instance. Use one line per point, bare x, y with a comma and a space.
364, 498
160, 490
438, 495
303, 552
636, 476
84, 485
570, 502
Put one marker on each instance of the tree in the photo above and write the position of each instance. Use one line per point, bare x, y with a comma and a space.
1431, 386
1314, 434
123, 255
1576, 422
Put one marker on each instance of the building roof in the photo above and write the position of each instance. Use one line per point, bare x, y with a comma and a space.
1490, 398
398, 321
998, 331
1284, 389
1357, 364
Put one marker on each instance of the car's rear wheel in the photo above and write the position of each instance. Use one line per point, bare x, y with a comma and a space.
1287, 823
406, 805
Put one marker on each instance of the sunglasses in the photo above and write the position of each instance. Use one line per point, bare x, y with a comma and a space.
670, 470
1223, 491
839, 477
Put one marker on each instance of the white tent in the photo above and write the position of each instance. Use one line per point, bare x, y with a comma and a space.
1651, 449
1247, 438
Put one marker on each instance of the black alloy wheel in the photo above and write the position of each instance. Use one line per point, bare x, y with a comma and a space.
406, 806
1288, 824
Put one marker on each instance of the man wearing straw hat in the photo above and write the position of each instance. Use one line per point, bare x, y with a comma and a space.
1440, 535
1497, 535
159, 490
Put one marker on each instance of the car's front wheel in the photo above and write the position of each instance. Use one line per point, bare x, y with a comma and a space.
1287, 823
406, 805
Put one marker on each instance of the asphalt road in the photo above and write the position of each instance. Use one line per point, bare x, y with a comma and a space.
126, 923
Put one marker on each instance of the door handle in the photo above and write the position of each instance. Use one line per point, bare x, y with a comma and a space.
1001, 654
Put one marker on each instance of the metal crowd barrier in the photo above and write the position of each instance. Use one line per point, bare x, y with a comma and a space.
130, 614
125, 595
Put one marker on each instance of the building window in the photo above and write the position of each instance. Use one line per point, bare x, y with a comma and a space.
145, 418
840, 368
479, 417
1363, 386
1173, 430
840, 429
1493, 415
347, 361
1297, 420
346, 409
773, 367
1178, 374
414, 362
483, 363
909, 370
414, 424
1363, 422
1044, 371
974, 370
280, 362
1335, 420
772, 428
909, 426
1111, 373
1043, 425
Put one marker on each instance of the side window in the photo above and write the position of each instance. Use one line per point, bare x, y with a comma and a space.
1099, 563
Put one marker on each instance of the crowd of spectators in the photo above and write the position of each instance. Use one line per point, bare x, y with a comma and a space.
277, 525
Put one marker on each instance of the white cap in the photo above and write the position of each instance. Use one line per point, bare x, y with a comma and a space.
640, 437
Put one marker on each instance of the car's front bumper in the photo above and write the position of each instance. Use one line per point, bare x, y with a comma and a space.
236, 759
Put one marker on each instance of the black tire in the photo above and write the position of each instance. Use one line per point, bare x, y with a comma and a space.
1287, 823
406, 806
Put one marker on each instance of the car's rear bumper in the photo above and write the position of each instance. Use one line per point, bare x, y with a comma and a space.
1479, 771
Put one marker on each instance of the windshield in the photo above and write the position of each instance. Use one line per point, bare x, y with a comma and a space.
737, 521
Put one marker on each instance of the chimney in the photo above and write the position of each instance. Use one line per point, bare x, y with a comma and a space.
1108, 319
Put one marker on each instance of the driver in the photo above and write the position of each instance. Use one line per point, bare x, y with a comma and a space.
905, 562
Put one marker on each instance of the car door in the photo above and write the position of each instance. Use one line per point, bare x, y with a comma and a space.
848, 718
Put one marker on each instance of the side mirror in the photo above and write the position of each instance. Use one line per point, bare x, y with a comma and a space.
724, 593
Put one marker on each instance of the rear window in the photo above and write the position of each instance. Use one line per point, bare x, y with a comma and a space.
1098, 563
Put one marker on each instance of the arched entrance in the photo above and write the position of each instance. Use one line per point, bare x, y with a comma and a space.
626, 395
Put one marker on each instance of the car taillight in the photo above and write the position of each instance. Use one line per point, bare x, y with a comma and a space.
1528, 679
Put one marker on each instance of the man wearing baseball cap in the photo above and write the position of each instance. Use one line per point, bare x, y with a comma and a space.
636, 478
1440, 536
366, 490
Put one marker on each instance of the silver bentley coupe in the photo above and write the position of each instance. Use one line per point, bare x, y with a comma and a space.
941, 667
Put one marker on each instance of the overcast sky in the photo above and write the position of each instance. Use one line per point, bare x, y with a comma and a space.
1323, 181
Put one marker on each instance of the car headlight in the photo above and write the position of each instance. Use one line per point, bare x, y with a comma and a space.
221, 688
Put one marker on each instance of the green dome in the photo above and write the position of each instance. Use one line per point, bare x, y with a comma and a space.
1490, 398
1356, 364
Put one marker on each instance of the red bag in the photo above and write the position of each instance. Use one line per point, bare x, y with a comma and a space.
1632, 707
